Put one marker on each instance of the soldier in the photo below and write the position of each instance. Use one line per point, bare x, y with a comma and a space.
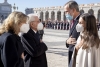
65, 25
58, 25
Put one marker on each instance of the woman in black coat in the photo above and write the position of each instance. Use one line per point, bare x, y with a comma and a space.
11, 49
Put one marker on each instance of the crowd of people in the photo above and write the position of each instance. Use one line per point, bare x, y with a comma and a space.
59, 25
27, 49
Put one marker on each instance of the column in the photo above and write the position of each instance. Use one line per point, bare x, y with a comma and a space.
38, 12
62, 13
55, 15
49, 14
43, 15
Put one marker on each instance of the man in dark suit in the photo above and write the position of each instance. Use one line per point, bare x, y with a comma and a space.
35, 48
72, 14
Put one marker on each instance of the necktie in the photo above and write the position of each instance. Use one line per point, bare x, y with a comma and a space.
72, 23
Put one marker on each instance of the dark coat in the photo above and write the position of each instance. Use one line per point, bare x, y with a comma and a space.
11, 50
73, 33
41, 32
34, 49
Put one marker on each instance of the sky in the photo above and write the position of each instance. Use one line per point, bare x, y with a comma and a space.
23, 4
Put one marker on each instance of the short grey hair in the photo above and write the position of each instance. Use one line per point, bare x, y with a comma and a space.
73, 5
31, 17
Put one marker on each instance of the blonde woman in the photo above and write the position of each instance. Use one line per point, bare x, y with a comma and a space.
87, 49
10, 45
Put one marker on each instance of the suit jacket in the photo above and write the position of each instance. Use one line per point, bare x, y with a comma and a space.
34, 49
73, 33
11, 50
41, 32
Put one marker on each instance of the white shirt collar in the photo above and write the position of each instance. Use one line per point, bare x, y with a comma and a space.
34, 31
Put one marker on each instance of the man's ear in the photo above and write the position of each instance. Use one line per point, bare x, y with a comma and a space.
74, 10
31, 24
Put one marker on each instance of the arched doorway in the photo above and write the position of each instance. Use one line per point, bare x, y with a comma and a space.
91, 11
59, 15
98, 17
41, 16
52, 16
81, 12
64, 17
46, 15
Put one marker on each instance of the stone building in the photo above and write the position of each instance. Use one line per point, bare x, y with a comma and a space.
5, 9
57, 13
28, 11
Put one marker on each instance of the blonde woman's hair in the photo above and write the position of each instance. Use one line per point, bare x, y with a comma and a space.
12, 22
